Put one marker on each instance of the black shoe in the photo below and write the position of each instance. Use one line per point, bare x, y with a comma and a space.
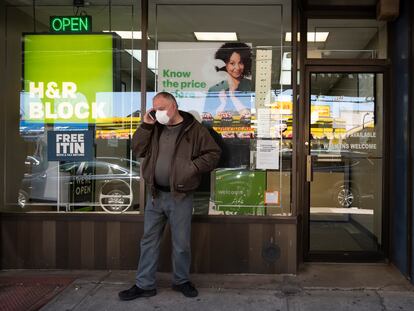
187, 289
136, 292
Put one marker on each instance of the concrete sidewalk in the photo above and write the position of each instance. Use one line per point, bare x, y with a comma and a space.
316, 287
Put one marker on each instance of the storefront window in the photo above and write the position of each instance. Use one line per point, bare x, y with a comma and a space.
71, 108
73, 87
234, 75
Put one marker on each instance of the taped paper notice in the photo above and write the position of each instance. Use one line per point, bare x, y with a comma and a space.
267, 156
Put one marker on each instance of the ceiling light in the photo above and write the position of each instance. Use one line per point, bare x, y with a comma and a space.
216, 36
128, 34
152, 58
312, 36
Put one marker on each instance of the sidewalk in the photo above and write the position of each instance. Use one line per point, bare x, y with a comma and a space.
317, 287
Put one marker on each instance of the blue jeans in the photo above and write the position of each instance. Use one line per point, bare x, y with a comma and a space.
157, 211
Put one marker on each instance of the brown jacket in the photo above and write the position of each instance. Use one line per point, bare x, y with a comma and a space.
195, 153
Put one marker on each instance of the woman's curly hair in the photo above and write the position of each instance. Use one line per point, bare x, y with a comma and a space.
227, 49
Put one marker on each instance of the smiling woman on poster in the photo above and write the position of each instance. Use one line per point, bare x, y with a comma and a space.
237, 58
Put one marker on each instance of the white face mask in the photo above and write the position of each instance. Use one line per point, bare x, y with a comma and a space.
162, 117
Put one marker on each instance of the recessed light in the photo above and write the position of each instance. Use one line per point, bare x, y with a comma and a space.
312, 36
151, 60
137, 35
216, 36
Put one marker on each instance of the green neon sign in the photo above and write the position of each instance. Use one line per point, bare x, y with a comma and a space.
71, 24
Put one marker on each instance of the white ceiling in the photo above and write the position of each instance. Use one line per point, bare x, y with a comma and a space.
262, 23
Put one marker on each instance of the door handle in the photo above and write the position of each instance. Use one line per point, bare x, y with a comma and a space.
309, 173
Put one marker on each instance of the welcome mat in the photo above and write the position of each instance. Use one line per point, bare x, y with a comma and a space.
30, 292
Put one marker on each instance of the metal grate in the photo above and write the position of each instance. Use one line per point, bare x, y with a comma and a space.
29, 293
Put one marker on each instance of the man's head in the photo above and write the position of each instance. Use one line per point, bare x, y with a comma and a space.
166, 103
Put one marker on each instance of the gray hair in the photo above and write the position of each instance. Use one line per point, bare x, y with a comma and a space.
167, 96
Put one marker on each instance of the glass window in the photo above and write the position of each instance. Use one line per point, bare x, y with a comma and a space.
346, 134
70, 89
74, 89
229, 66
347, 38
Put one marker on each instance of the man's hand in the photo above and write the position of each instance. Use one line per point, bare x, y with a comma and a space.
147, 118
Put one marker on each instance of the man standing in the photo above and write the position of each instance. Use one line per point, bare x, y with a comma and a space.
177, 151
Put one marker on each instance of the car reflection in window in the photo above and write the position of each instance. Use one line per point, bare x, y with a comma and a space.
343, 179
113, 182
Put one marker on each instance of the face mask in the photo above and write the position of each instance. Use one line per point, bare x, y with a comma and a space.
162, 117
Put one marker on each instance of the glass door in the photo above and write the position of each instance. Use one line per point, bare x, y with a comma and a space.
344, 163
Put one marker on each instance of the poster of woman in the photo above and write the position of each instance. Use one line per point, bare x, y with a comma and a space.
237, 59
213, 78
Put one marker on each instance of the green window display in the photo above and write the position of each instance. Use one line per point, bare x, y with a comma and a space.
240, 192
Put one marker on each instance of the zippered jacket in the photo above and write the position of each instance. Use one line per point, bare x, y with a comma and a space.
195, 153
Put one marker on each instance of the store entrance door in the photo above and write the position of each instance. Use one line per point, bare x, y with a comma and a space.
345, 163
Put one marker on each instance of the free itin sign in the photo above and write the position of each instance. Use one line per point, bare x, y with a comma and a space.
70, 145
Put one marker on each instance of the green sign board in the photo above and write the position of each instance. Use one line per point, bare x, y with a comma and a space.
67, 78
71, 24
240, 192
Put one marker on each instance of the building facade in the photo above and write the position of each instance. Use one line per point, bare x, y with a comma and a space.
316, 134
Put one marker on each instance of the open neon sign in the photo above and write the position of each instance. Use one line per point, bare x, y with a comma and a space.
71, 24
